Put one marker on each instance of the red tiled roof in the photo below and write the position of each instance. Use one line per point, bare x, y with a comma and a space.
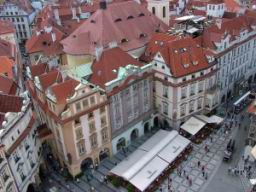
111, 59
63, 90
6, 27
113, 24
50, 78
7, 86
38, 69
7, 49
232, 6
44, 42
10, 103
6, 66
199, 12
184, 56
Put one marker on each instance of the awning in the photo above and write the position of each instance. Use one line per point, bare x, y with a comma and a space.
193, 125
253, 152
212, 119
144, 165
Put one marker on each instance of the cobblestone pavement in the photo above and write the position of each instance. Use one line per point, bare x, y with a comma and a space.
209, 160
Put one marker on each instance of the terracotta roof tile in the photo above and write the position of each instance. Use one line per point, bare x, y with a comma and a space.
7, 49
113, 24
111, 59
63, 90
10, 103
6, 27
7, 86
6, 66
184, 56
50, 78
38, 69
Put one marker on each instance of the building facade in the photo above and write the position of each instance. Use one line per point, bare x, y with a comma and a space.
21, 14
77, 118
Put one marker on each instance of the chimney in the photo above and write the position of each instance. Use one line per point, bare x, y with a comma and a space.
57, 16
218, 22
53, 36
98, 52
103, 4
73, 9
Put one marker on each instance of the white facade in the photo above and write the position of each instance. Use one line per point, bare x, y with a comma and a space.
215, 10
160, 9
236, 61
22, 146
20, 18
176, 99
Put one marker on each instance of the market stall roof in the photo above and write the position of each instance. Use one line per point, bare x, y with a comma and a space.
213, 119
253, 152
193, 125
144, 165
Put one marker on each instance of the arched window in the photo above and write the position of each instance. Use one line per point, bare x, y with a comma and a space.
164, 12
154, 10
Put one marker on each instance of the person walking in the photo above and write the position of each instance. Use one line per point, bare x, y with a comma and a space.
198, 164
206, 175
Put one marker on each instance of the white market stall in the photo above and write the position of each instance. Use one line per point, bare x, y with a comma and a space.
146, 165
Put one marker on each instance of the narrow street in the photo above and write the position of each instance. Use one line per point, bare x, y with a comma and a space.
222, 181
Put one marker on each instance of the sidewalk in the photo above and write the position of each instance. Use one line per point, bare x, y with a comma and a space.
210, 160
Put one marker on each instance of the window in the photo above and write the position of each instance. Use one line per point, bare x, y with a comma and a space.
154, 10
164, 12
201, 73
5, 176
191, 106
193, 76
201, 86
183, 92
93, 140
192, 89
16, 157
22, 175
78, 106
79, 133
165, 91
92, 100
183, 110
165, 108
32, 164
90, 115
103, 121
80, 147
183, 79
102, 109
104, 134
199, 103
85, 103
77, 122
92, 126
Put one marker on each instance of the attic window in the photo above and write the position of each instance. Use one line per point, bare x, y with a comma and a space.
186, 65
195, 62
118, 20
93, 21
130, 17
142, 35
124, 40
74, 36
141, 14
44, 43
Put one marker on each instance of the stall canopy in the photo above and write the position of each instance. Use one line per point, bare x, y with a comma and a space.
193, 125
144, 165
211, 119
253, 152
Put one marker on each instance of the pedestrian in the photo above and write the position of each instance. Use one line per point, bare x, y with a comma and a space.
198, 164
105, 179
206, 175
211, 139
184, 173
187, 177
190, 181
203, 173
96, 166
203, 168
205, 148
229, 170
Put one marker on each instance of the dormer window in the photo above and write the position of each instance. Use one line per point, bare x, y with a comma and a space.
186, 65
195, 62
130, 17
118, 20
142, 35
141, 14
44, 43
93, 21
124, 40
